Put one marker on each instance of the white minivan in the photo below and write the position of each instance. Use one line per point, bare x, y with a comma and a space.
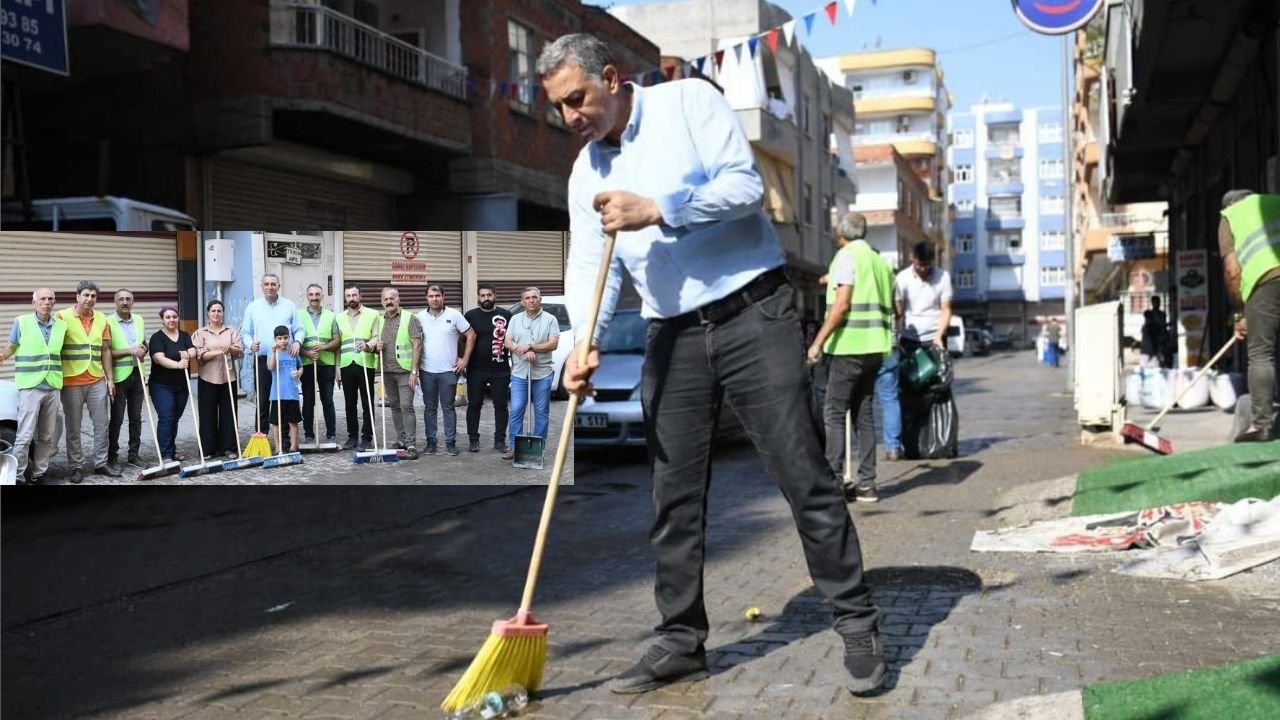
955, 336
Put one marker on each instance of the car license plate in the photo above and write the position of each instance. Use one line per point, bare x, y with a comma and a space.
591, 420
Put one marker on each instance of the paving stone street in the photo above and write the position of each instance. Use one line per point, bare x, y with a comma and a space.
369, 602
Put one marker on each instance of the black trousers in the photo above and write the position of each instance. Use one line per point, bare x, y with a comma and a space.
1262, 317
500, 386
852, 387
327, 375
756, 360
355, 391
217, 428
128, 397
264, 379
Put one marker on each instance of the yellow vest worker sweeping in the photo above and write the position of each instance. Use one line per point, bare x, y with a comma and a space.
1249, 241
857, 334
35, 344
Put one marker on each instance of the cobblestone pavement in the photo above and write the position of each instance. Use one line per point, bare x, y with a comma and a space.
336, 468
377, 620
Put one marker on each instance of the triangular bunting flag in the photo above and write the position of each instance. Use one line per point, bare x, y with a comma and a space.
655, 77
719, 58
850, 4
789, 30
771, 37
808, 24
737, 52
752, 42
671, 72
831, 8
700, 63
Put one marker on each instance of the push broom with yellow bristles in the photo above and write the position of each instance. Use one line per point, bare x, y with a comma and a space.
258, 445
516, 650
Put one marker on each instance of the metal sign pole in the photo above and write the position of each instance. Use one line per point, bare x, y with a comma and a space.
1069, 301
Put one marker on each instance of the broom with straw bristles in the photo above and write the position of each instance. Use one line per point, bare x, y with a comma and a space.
258, 445
516, 650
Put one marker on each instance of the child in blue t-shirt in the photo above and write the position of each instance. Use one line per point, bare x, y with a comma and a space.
284, 392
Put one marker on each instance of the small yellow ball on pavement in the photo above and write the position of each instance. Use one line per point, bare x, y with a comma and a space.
752, 614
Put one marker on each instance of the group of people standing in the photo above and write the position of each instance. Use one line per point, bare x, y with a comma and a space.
868, 306
80, 360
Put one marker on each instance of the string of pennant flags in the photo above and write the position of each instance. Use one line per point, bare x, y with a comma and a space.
509, 90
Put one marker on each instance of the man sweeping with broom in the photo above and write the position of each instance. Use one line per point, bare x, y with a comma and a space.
709, 268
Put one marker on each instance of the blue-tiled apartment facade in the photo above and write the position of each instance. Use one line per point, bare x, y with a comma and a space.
1008, 187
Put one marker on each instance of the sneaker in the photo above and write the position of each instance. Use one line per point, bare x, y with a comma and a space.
499, 444
509, 454
351, 444
451, 449
474, 446
309, 440
76, 476
861, 493
134, 459
864, 659
365, 445
431, 449
893, 455
660, 667
411, 453
1254, 434
36, 480
107, 471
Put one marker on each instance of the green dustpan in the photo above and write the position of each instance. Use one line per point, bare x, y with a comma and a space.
529, 447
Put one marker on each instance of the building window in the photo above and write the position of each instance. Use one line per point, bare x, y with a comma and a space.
804, 116
964, 243
963, 138
964, 173
826, 213
881, 127
856, 89
826, 127
808, 204
1003, 135
964, 208
1052, 205
1053, 276
904, 124
1006, 242
1053, 240
964, 279
1005, 208
1001, 172
1050, 169
520, 63
1050, 133
909, 77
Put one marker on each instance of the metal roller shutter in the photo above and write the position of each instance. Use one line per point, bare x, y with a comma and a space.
512, 261
367, 259
145, 264
251, 197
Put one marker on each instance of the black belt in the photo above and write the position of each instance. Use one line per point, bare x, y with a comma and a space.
718, 311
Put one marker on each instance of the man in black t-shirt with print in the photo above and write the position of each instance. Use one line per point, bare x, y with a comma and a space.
490, 366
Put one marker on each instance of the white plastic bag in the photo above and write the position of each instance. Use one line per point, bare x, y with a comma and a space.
1223, 391
1197, 395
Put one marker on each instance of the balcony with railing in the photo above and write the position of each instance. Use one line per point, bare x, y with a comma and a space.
1004, 184
1005, 221
316, 27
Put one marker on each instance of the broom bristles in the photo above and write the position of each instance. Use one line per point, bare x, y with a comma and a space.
502, 661
258, 446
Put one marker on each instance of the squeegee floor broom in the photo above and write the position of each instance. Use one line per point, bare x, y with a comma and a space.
243, 461
516, 650
317, 446
203, 467
282, 458
1145, 436
164, 468
378, 454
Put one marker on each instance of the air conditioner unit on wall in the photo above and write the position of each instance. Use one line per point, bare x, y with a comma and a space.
1099, 386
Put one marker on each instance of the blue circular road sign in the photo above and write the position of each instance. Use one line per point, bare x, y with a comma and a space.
1056, 17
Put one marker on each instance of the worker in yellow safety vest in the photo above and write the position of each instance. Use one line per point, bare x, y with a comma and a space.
357, 356
857, 334
36, 342
1249, 242
88, 380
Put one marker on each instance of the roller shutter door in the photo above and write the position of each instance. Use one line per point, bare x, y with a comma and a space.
369, 259
145, 264
251, 197
512, 261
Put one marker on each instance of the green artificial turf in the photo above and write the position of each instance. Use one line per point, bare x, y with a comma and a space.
1244, 691
1224, 474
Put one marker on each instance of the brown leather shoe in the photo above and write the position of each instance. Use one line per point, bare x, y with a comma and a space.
509, 454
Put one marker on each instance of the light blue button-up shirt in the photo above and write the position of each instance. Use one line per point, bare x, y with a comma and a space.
684, 149
261, 319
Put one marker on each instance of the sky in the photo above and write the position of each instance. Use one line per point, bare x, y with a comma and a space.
982, 47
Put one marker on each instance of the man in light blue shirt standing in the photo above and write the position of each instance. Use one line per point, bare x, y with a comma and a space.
669, 169
261, 318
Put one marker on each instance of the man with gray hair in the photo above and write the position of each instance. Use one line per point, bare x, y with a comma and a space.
261, 318
1249, 241
531, 337
857, 334
88, 380
669, 169
37, 342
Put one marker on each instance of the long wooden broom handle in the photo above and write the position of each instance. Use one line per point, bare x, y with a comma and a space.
1194, 380
235, 419
566, 434
279, 408
146, 397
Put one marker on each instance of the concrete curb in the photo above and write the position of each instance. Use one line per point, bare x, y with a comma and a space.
1060, 706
